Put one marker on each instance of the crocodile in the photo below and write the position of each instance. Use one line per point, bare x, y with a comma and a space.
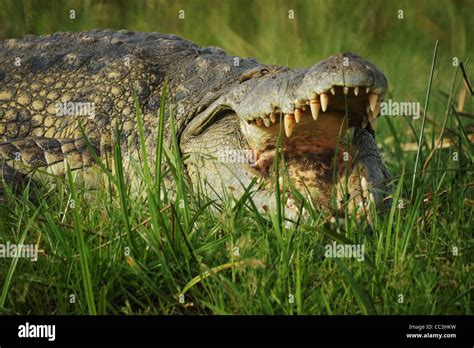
232, 115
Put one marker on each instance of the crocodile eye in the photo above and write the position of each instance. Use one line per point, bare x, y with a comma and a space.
253, 73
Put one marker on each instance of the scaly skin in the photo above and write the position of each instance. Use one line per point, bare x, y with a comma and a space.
217, 102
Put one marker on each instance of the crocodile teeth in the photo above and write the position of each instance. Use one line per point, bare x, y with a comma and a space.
367, 90
365, 122
356, 91
373, 101
324, 101
333, 91
376, 109
315, 105
345, 90
272, 117
298, 114
266, 122
259, 122
373, 121
373, 116
289, 121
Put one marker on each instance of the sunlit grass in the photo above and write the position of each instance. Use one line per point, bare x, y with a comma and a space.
115, 251
146, 254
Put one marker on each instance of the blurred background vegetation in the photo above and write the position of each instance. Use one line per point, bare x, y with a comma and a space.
263, 29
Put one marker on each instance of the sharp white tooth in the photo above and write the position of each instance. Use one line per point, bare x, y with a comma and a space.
373, 119
356, 91
289, 122
259, 122
373, 100
272, 117
333, 91
266, 122
373, 122
345, 90
373, 115
324, 101
367, 90
365, 122
377, 109
298, 114
315, 105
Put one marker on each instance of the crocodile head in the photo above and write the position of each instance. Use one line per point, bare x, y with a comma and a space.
310, 110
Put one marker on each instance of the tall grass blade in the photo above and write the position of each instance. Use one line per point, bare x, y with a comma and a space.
420, 140
84, 253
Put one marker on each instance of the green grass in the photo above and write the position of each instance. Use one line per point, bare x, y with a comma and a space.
117, 252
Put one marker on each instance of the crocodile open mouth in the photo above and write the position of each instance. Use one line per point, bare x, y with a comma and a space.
321, 118
312, 133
